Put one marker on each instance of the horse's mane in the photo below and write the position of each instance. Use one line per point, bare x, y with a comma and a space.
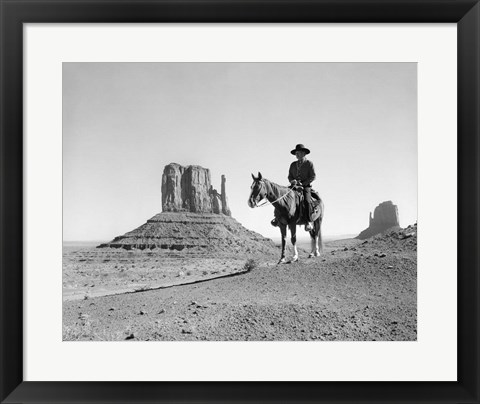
277, 189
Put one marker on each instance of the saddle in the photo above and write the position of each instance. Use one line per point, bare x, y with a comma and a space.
314, 206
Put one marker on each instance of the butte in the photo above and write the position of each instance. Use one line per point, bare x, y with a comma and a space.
385, 217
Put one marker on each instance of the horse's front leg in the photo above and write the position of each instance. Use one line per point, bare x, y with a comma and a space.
283, 231
293, 233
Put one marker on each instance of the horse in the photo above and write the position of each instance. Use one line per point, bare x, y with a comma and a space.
288, 213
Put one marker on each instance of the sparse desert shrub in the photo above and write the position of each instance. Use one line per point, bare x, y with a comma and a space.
250, 265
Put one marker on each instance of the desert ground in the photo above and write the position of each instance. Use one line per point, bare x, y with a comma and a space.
356, 291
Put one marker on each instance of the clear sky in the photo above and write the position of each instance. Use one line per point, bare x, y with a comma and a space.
123, 122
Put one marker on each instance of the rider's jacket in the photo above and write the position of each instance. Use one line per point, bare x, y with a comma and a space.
303, 172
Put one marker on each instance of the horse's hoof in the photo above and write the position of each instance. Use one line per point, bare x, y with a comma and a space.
311, 255
282, 261
294, 259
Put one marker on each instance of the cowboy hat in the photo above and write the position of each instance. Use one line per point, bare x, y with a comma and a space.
300, 147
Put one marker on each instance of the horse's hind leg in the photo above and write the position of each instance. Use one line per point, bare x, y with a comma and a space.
293, 233
283, 231
316, 239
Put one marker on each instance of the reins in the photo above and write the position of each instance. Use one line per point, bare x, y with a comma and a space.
271, 203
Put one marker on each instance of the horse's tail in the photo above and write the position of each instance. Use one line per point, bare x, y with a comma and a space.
320, 219
320, 240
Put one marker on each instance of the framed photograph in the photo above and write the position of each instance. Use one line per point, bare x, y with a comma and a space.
239, 201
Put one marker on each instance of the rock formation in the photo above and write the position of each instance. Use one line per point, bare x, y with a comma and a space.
189, 189
196, 219
206, 233
385, 216
225, 209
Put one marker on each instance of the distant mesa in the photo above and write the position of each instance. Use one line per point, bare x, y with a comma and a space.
195, 218
385, 216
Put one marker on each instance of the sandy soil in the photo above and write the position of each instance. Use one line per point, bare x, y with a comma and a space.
358, 290
92, 272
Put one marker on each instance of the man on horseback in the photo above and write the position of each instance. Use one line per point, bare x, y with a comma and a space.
302, 174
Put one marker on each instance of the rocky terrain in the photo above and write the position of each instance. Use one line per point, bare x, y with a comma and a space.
205, 233
357, 291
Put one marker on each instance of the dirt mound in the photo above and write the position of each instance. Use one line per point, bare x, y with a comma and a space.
194, 232
396, 239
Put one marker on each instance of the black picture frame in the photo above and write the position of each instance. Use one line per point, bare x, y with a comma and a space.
14, 13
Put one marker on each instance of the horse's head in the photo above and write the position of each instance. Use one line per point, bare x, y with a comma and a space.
258, 191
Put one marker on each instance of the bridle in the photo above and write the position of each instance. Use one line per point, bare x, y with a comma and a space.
267, 202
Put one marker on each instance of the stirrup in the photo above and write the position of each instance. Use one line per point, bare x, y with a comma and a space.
274, 222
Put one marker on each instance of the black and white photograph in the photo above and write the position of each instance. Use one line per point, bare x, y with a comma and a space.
239, 201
